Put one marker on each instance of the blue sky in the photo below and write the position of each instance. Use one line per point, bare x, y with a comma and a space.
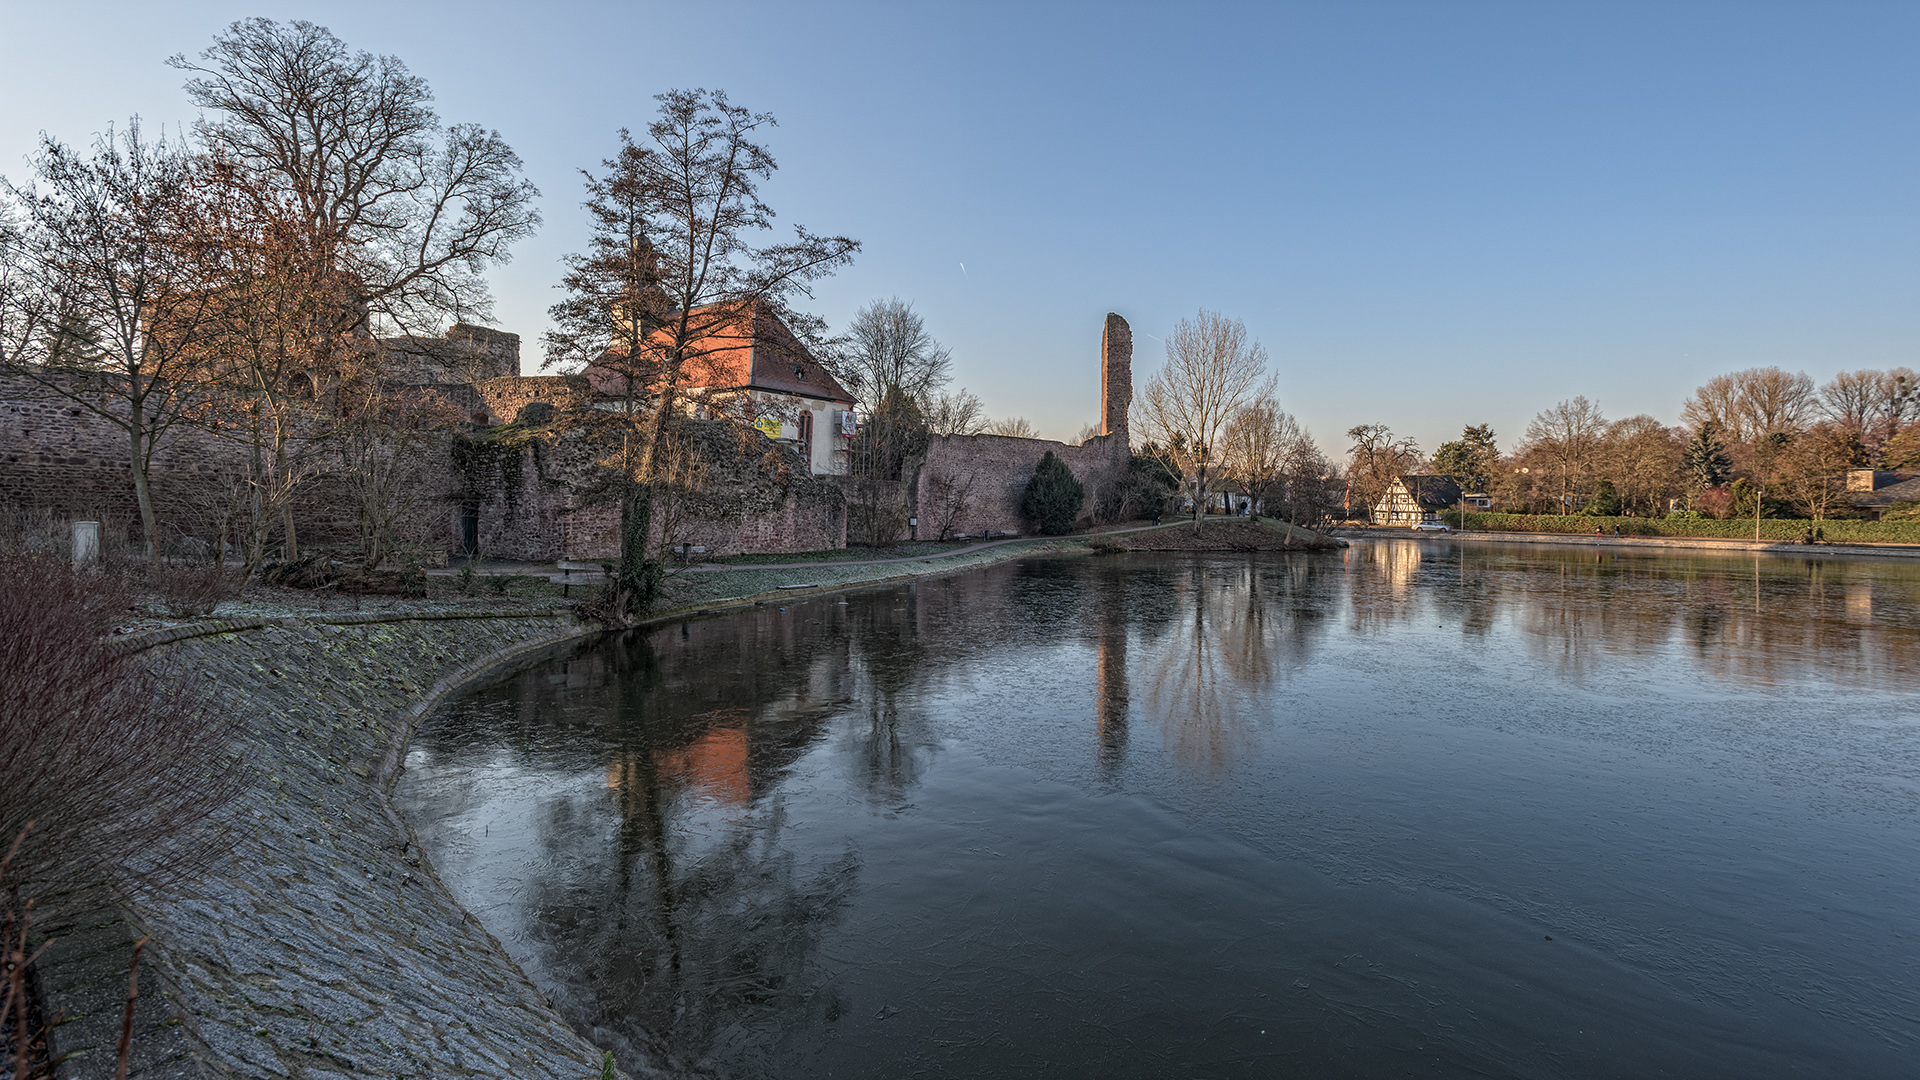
1432, 214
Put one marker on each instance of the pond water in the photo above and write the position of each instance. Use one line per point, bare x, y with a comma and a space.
1415, 807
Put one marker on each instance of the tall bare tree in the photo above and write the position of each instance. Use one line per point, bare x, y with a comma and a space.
410, 213
888, 348
1567, 438
1746, 405
100, 301
696, 287
1213, 369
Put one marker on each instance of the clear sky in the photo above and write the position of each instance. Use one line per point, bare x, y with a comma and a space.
1431, 213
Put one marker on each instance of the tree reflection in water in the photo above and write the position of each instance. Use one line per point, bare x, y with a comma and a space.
673, 904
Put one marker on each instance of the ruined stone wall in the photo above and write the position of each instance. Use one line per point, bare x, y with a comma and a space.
58, 456
505, 397
467, 354
760, 497
973, 483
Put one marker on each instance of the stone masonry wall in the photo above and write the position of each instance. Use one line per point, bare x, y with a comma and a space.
57, 455
974, 483
988, 474
753, 508
322, 945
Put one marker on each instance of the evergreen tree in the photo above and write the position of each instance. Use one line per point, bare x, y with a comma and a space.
1706, 456
1470, 460
1605, 501
1053, 497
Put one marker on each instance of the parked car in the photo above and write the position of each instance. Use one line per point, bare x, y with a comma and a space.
1431, 526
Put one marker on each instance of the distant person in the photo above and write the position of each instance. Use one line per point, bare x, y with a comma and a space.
1807, 537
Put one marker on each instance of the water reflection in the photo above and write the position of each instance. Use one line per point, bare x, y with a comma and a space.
771, 843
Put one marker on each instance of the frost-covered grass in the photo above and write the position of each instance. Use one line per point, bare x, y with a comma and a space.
720, 586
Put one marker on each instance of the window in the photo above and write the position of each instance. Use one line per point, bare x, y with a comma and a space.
806, 429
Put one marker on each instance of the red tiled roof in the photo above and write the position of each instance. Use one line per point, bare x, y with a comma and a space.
730, 356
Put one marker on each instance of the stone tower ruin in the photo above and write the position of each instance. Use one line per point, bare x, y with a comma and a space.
1116, 374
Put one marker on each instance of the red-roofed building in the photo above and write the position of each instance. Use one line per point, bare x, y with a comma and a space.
758, 367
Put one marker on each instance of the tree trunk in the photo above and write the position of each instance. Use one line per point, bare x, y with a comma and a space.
142, 487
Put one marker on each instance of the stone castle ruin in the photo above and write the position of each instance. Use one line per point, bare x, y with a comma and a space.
512, 486
972, 484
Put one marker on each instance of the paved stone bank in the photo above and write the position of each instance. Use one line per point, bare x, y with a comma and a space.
322, 945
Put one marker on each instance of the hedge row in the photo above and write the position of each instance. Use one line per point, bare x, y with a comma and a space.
1776, 529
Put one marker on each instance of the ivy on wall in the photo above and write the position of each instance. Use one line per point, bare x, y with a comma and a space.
489, 465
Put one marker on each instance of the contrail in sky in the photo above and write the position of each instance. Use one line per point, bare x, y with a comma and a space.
963, 268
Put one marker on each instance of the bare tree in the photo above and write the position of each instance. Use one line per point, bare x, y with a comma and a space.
1256, 446
384, 456
1896, 405
1375, 460
1017, 427
1850, 397
1812, 468
1643, 458
1875, 405
1213, 369
695, 285
1749, 404
950, 497
1567, 439
955, 413
99, 301
410, 213
888, 348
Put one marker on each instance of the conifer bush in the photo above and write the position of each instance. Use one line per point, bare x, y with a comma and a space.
1053, 497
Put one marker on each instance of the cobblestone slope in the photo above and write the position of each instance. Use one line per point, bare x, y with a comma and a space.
322, 945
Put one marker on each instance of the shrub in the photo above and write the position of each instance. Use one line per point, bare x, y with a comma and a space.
118, 763
1053, 497
1839, 531
190, 591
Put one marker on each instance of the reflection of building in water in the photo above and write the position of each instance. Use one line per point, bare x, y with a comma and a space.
1110, 691
713, 765
1860, 601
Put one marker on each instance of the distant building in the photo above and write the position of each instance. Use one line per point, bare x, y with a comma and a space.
1873, 491
1412, 499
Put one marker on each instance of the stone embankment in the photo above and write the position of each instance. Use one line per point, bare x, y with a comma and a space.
1219, 535
321, 945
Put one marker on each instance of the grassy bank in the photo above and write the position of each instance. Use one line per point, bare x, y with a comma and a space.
1778, 530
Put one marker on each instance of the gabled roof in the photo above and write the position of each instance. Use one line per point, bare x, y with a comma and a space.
1907, 489
739, 353
1432, 492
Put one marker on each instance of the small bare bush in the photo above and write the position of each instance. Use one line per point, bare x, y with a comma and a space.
119, 763
190, 591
